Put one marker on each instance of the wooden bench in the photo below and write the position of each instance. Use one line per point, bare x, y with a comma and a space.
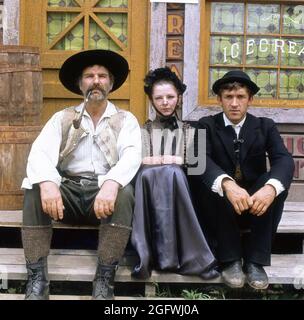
79, 265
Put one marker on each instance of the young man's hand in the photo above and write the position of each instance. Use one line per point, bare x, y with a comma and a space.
262, 199
51, 199
238, 197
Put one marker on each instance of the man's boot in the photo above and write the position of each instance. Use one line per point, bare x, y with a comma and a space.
103, 283
113, 239
37, 287
36, 243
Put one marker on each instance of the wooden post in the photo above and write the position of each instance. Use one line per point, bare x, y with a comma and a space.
11, 22
158, 30
191, 57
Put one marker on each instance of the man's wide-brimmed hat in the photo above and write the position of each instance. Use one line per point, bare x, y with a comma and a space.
235, 76
73, 67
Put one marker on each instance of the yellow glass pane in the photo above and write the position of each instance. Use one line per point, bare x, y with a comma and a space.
112, 4
73, 39
293, 19
57, 22
292, 84
99, 39
118, 25
62, 3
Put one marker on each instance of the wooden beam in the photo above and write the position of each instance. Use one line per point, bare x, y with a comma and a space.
191, 57
158, 28
11, 22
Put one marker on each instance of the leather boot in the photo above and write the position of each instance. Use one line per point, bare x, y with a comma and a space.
36, 243
103, 283
113, 239
37, 287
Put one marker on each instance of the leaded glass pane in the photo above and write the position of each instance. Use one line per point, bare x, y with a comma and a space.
62, 3
227, 17
263, 18
226, 50
215, 74
118, 25
266, 80
112, 4
261, 51
73, 39
293, 54
56, 23
99, 39
293, 19
291, 84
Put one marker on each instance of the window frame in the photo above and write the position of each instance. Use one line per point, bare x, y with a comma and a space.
204, 58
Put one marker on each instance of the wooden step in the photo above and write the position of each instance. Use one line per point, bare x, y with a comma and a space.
292, 219
79, 265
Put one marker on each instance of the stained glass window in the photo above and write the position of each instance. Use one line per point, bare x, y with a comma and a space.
86, 24
266, 40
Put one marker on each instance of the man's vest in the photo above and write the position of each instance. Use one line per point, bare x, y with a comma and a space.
106, 140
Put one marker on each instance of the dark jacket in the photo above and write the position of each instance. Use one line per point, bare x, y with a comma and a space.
260, 138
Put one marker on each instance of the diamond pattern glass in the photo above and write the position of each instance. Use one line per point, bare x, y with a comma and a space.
227, 17
106, 30
226, 50
112, 4
264, 46
293, 19
261, 51
292, 84
263, 18
266, 80
62, 3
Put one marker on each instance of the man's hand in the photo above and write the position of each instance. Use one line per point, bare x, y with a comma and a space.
262, 199
105, 199
238, 197
51, 199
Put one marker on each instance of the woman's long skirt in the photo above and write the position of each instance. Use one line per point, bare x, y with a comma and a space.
166, 233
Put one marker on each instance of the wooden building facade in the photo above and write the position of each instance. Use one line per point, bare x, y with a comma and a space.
199, 39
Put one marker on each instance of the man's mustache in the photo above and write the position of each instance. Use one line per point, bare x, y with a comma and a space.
98, 88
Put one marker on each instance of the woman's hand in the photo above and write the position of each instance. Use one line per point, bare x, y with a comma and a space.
158, 160
172, 160
152, 160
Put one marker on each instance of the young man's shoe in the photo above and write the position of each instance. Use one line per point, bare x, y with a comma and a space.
232, 274
256, 276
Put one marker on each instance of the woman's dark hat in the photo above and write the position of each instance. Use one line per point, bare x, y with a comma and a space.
162, 74
235, 76
73, 67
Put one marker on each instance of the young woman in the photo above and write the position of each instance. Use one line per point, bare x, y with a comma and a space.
166, 233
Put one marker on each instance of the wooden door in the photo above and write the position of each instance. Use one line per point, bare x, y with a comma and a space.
62, 27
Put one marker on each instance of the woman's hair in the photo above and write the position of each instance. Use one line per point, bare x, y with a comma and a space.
161, 75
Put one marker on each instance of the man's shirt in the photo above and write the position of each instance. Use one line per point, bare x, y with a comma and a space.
87, 159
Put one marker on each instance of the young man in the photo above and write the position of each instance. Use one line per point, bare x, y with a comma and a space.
79, 171
244, 193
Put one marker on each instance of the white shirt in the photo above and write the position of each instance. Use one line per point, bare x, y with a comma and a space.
217, 184
87, 159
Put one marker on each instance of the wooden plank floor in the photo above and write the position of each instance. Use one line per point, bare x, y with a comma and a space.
79, 265
292, 220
